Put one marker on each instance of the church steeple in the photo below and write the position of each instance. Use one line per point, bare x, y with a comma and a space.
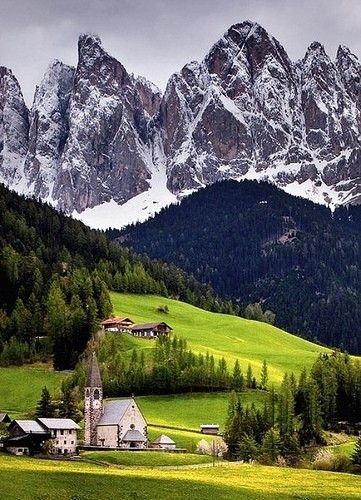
93, 408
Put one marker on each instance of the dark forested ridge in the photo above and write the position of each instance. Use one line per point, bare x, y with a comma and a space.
55, 273
254, 243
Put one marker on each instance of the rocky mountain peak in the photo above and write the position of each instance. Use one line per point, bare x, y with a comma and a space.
14, 128
99, 134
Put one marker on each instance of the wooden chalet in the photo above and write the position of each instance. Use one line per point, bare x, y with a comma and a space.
150, 330
118, 324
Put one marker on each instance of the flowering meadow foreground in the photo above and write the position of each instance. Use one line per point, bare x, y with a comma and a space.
26, 478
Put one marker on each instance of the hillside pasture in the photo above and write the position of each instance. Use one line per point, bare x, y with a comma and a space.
20, 387
224, 335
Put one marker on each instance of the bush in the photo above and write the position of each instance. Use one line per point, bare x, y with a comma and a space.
327, 460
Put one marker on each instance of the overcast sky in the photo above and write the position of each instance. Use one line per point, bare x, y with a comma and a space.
155, 38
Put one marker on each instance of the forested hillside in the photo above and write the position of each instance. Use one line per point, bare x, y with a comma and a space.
55, 273
256, 244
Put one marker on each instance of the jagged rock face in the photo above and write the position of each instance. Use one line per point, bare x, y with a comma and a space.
246, 110
49, 129
14, 128
107, 152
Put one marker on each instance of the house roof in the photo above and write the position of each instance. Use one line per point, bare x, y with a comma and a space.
29, 426
114, 411
149, 326
163, 439
4, 417
93, 376
118, 319
58, 423
133, 435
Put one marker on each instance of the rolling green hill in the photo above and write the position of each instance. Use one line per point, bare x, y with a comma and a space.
222, 335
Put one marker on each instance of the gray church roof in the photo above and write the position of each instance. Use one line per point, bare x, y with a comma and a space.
114, 411
93, 377
58, 423
133, 435
163, 439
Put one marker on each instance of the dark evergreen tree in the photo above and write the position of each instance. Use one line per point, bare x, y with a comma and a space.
45, 407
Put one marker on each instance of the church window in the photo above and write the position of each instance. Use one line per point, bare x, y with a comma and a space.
96, 394
132, 426
87, 393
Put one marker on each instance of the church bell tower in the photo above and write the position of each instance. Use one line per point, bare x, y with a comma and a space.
93, 408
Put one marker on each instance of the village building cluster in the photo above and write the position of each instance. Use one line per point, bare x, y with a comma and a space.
123, 324
115, 424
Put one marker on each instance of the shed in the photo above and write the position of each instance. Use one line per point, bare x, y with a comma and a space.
210, 429
4, 418
164, 442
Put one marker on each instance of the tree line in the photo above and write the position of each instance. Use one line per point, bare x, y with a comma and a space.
55, 274
293, 419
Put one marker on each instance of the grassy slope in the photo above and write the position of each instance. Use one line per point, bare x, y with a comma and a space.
25, 478
224, 335
189, 411
145, 458
20, 387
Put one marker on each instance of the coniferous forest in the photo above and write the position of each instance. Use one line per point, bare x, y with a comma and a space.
255, 244
55, 274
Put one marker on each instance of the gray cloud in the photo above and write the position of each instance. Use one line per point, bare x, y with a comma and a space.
155, 38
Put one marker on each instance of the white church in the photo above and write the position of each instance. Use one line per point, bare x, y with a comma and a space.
111, 424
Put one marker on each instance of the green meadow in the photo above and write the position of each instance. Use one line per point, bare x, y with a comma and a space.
20, 387
223, 335
189, 411
145, 458
31, 479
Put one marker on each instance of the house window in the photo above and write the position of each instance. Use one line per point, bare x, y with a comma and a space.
72, 442
70, 431
132, 426
62, 433
64, 442
57, 442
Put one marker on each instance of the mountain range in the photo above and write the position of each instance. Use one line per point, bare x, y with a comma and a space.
111, 148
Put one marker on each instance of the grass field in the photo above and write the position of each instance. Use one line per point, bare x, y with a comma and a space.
189, 411
145, 458
343, 449
20, 387
223, 335
30, 479
182, 438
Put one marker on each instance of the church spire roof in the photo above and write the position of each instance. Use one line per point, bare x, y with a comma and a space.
93, 376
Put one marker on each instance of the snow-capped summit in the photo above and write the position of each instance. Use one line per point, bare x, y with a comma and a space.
102, 142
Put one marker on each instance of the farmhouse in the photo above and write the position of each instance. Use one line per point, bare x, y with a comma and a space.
26, 437
112, 424
30, 436
151, 330
63, 435
118, 324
